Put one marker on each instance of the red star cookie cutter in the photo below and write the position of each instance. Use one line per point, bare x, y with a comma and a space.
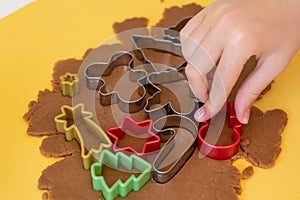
221, 152
137, 128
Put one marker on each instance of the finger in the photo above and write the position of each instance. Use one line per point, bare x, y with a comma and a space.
190, 43
200, 64
192, 25
226, 74
197, 83
266, 71
196, 21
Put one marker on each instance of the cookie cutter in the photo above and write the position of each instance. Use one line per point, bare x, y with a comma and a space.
73, 131
172, 33
119, 188
69, 84
153, 107
137, 128
140, 42
178, 148
221, 152
94, 71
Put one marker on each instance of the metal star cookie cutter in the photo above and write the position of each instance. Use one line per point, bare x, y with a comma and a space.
178, 148
69, 84
172, 33
138, 129
82, 121
94, 71
119, 188
221, 152
172, 76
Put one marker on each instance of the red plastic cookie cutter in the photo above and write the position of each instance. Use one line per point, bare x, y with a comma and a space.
137, 128
221, 152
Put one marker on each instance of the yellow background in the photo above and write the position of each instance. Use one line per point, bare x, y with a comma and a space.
35, 37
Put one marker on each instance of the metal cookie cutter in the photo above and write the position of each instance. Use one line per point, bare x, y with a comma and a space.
114, 161
139, 129
140, 42
178, 148
65, 123
171, 78
221, 152
172, 33
95, 71
69, 84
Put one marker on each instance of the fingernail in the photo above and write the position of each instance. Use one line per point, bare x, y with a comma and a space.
246, 116
199, 114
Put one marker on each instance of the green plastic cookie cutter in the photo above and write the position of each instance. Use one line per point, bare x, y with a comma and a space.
69, 84
73, 121
119, 188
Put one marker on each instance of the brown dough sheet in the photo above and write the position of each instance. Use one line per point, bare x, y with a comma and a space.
41, 113
200, 179
67, 180
261, 138
57, 146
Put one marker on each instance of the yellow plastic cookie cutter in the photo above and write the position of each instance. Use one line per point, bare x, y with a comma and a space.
77, 123
69, 84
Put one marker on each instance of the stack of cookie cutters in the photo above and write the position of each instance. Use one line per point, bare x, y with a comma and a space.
166, 163
76, 129
114, 161
221, 152
177, 149
142, 129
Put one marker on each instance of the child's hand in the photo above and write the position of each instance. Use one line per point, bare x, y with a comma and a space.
228, 32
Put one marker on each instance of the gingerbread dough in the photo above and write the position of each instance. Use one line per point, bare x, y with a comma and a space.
199, 179
261, 138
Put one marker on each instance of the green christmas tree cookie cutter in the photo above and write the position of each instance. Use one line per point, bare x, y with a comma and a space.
69, 84
74, 131
129, 163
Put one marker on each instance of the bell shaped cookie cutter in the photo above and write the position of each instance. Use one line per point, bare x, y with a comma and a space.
221, 152
178, 148
120, 188
81, 120
95, 71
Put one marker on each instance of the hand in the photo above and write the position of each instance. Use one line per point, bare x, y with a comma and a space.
224, 35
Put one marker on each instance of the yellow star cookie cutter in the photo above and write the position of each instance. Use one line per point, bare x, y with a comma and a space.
76, 123
69, 84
